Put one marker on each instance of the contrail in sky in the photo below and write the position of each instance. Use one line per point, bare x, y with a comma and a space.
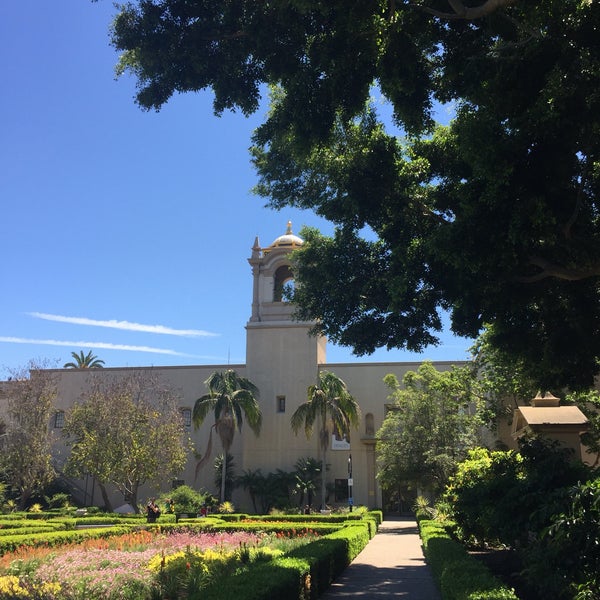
102, 345
124, 325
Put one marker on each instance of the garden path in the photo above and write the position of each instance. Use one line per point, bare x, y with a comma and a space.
391, 565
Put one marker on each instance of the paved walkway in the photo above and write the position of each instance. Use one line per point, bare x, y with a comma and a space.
390, 566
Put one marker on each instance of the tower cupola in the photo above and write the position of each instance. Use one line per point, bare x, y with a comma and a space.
272, 273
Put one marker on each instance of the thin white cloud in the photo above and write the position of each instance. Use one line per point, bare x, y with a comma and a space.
101, 345
124, 325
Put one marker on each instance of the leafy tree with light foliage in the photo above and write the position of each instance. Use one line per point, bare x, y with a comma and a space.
436, 417
126, 431
493, 217
26, 445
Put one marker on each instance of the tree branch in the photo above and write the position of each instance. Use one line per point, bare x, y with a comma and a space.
578, 203
468, 13
549, 269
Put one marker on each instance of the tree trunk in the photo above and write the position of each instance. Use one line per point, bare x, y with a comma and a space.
23, 499
324, 443
107, 503
323, 483
134, 497
223, 475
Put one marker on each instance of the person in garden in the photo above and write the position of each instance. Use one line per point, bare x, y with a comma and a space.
152, 511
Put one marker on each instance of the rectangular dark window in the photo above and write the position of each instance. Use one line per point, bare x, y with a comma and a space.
341, 490
280, 404
59, 419
186, 415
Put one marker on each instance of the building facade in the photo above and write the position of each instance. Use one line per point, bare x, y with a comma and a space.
282, 360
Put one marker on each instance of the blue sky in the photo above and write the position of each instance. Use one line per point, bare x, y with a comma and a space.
123, 232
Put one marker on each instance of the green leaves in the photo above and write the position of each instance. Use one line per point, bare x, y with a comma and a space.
493, 218
126, 432
432, 424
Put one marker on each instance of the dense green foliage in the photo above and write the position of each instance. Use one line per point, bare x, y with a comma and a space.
459, 576
535, 501
530, 485
434, 420
564, 563
273, 490
185, 500
493, 217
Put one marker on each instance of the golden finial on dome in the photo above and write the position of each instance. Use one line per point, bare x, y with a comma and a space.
289, 228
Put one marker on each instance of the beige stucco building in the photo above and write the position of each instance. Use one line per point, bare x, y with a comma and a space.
282, 360
547, 418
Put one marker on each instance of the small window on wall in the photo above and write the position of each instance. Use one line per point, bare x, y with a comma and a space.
186, 415
280, 404
369, 425
59, 419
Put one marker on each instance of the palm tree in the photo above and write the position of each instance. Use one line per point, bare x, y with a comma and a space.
331, 405
308, 472
230, 479
231, 398
253, 482
84, 361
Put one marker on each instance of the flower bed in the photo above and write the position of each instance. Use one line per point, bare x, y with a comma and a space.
136, 566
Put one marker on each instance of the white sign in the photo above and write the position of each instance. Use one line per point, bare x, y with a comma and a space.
339, 444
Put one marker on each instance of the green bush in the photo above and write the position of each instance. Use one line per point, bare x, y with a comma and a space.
458, 575
59, 500
528, 485
564, 562
301, 574
186, 500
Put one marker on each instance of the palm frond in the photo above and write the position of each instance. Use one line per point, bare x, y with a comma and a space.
202, 407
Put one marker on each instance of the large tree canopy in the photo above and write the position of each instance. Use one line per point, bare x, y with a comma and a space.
493, 217
437, 416
26, 444
126, 432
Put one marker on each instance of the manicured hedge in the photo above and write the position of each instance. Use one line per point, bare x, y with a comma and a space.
37, 530
28, 526
302, 574
458, 575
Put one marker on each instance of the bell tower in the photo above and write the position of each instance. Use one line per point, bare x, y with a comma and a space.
282, 359
271, 272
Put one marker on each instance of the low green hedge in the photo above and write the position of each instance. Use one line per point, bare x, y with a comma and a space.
43, 528
10, 526
302, 574
458, 575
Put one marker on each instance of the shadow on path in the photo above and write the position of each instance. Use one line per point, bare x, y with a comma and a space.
392, 565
